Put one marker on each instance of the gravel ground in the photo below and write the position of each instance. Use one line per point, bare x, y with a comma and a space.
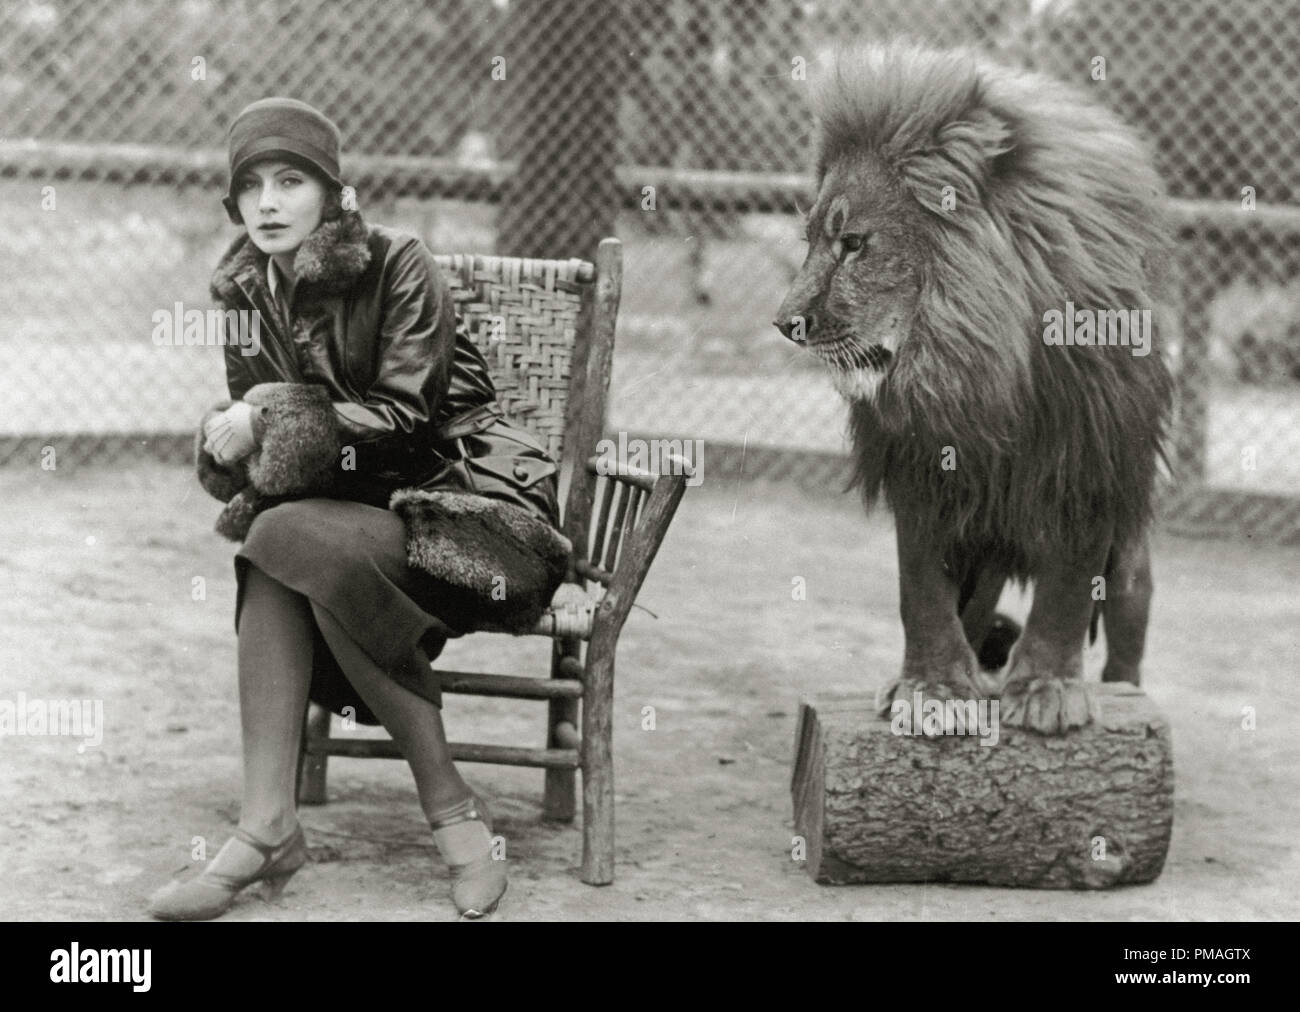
98, 570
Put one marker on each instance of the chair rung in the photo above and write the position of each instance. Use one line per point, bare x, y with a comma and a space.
629, 473
505, 755
594, 573
469, 683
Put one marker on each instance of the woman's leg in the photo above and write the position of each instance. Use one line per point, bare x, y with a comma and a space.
275, 665
478, 879
414, 723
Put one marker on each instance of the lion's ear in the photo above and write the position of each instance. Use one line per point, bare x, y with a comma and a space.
964, 156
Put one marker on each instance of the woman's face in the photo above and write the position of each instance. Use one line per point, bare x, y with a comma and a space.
280, 203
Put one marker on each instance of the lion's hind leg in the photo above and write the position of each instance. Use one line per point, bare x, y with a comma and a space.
1125, 611
1044, 689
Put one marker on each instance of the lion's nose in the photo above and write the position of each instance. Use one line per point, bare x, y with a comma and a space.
796, 328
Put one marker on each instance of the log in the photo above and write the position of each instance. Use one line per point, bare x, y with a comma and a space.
1086, 810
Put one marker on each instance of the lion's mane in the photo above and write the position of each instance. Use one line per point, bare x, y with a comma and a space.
1056, 199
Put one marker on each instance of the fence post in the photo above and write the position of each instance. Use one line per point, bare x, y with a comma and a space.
564, 72
1198, 293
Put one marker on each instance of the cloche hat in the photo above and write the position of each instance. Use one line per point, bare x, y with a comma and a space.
286, 128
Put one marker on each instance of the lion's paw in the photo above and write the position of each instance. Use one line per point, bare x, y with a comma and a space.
1047, 705
914, 692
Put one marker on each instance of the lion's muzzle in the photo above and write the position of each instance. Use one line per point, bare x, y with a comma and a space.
796, 326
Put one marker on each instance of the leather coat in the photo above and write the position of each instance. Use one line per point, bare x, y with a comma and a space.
373, 321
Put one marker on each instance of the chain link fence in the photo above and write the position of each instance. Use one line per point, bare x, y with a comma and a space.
534, 127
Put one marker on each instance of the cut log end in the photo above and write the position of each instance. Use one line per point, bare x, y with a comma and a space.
1005, 807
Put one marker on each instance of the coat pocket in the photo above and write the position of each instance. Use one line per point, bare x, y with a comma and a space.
510, 471
529, 482
503, 461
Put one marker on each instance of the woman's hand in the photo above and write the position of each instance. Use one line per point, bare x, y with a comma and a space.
228, 436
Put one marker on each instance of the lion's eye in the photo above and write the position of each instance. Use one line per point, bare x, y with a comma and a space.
852, 243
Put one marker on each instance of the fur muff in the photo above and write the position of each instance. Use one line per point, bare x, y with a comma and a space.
300, 448
501, 563
300, 445
241, 511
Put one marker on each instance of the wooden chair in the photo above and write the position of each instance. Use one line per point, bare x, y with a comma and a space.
546, 328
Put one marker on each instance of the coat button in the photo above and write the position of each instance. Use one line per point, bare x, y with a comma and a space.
521, 472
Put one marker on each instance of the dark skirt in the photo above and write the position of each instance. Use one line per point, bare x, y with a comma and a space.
350, 559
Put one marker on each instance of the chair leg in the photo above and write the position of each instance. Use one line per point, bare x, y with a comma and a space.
559, 799
598, 766
312, 769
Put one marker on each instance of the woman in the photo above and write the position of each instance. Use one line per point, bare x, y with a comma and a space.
359, 317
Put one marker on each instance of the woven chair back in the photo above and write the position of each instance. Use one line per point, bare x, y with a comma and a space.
524, 315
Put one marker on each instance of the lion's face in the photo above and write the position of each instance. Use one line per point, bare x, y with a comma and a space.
854, 299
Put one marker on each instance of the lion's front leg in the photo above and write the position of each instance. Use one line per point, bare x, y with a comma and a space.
937, 661
1044, 689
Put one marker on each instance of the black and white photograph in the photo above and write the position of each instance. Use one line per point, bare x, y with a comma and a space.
583, 461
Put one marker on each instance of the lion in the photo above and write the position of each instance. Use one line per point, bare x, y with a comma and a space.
969, 219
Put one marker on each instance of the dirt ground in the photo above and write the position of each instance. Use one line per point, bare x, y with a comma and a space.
97, 570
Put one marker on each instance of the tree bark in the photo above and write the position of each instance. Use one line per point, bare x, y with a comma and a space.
1087, 810
564, 68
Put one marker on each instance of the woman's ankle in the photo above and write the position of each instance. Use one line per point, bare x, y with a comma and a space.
449, 792
271, 828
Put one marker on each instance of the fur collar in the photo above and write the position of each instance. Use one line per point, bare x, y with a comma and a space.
329, 260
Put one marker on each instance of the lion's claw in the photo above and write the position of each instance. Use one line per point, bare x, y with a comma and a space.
906, 689
1047, 705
